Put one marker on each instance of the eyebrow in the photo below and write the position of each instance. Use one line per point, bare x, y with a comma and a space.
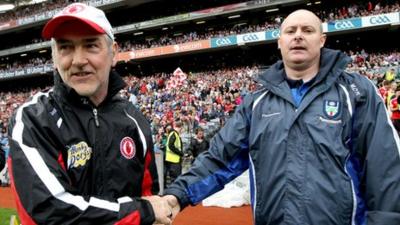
319, 28
302, 26
86, 40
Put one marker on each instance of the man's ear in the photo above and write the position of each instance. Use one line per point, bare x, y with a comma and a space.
322, 40
115, 49
53, 57
279, 43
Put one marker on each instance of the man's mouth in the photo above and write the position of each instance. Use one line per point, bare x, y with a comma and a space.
297, 48
81, 74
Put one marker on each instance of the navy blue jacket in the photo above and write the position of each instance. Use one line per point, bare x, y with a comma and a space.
332, 159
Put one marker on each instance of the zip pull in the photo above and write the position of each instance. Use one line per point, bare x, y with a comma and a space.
96, 118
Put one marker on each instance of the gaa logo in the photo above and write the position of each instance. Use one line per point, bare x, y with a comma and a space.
344, 25
379, 20
223, 41
276, 33
250, 37
127, 148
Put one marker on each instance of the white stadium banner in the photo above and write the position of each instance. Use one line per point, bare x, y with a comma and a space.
251, 37
381, 19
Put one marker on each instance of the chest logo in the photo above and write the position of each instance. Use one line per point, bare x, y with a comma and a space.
331, 108
127, 148
79, 154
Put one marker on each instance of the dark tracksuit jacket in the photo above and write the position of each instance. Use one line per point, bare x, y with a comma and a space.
73, 163
331, 158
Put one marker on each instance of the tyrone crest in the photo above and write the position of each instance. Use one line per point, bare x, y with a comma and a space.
127, 148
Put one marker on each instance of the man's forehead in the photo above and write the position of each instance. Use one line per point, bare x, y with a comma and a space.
301, 18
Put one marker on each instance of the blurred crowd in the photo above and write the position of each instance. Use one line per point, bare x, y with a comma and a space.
23, 64
203, 97
140, 14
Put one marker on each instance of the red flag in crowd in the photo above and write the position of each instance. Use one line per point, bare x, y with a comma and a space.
177, 79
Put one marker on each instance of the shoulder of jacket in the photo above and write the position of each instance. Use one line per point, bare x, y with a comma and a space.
38, 102
357, 85
35, 108
253, 98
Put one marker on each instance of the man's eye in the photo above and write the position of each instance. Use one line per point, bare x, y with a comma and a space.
64, 47
91, 46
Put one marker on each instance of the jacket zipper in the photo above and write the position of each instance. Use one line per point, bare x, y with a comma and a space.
96, 118
99, 178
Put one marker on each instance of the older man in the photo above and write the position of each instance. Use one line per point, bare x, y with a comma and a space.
80, 153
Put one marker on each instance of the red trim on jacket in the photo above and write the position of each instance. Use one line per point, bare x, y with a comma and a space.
61, 161
25, 218
131, 219
147, 179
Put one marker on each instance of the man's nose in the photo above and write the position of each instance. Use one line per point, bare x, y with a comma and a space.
298, 35
80, 57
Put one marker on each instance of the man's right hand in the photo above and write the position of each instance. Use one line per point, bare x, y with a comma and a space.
163, 212
174, 204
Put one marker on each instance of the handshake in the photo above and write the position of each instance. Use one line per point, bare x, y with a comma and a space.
165, 208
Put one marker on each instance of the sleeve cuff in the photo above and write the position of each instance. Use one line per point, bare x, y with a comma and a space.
144, 207
182, 199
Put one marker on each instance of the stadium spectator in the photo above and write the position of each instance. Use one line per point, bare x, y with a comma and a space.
198, 143
390, 74
174, 153
64, 141
395, 109
384, 90
314, 137
391, 93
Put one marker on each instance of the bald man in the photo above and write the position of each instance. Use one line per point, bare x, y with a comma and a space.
317, 140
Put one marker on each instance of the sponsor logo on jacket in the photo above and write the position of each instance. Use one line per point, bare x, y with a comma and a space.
79, 154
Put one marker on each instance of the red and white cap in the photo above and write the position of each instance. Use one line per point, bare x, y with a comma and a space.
80, 14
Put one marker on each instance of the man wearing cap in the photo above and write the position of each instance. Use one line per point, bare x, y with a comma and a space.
80, 154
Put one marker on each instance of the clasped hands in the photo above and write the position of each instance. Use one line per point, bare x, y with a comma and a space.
165, 208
